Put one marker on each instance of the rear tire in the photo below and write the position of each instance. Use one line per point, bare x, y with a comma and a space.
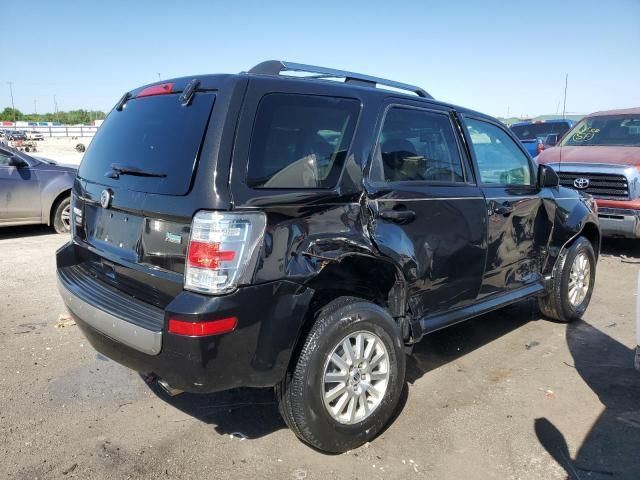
62, 216
336, 397
571, 286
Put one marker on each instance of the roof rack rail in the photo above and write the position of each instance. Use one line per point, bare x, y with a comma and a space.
275, 67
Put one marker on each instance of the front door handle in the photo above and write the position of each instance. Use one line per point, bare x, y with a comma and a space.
398, 216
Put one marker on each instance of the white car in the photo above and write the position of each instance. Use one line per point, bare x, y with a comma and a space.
33, 135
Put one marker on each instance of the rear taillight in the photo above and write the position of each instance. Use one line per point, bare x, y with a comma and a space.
223, 250
76, 213
540, 147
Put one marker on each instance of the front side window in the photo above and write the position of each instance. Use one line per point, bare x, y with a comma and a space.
417, 145
300, 141
5, 158
500, 161
611, 130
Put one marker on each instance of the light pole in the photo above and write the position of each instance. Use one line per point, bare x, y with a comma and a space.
55, 107
564, 103
12, 105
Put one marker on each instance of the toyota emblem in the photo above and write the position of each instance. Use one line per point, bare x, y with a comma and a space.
105, 198
581, 183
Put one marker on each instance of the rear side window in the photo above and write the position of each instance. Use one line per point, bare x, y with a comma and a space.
300, 141
153, 134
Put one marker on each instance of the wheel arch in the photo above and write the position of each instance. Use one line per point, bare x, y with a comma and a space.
365, 276
592, 233
54, 203
352, 275
589, 229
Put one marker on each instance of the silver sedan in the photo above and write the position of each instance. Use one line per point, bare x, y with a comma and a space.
34, 190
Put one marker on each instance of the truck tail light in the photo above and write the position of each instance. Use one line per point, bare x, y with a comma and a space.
223, 250
540, 147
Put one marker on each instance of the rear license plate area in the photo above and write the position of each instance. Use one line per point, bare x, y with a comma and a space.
114, 231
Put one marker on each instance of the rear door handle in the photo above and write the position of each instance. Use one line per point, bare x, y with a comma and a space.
398, 216
505, 209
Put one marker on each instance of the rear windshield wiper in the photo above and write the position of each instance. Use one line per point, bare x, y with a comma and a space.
117, 170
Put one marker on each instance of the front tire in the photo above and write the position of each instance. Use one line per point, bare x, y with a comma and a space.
348, 378
569, 291
62, 216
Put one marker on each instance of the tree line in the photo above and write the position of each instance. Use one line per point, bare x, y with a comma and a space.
72, 117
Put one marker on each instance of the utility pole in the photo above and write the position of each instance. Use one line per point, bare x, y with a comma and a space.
12, 105
158, 76
564, 104
35, 106
55, 107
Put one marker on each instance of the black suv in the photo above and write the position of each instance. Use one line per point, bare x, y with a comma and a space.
279, 228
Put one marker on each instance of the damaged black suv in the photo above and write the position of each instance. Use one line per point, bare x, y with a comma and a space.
297, 227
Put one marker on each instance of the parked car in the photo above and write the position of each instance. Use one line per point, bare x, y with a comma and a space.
601, 156
34, 135
34, 191
302, 234
540, 134
637, 356
16, 135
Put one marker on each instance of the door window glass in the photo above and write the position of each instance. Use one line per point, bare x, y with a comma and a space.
4, 159
500, 160
416, 145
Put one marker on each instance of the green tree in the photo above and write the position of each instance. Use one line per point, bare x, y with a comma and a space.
7, 115
72, 117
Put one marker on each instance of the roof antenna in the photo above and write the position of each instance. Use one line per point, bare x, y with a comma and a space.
564, 111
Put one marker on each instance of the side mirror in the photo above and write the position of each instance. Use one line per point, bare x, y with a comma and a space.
547, 177
17, 162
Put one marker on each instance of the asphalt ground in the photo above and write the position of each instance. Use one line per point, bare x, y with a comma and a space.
508, 395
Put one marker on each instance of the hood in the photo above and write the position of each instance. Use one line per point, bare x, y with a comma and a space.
53, 165
591, 154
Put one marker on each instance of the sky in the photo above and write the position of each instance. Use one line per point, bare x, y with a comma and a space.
498, 57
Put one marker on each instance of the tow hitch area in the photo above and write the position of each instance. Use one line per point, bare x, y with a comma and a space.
150, 379
168, 389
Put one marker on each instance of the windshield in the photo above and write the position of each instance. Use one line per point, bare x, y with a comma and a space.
540, 131
613, 130
150, 134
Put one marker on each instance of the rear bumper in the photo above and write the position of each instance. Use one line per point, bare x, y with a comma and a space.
255, 354
619, 222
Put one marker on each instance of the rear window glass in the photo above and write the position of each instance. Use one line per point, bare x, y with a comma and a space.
540, 131
300, 141
155, 135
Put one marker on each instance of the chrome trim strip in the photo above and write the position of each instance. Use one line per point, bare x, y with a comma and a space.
425, 199
141, 339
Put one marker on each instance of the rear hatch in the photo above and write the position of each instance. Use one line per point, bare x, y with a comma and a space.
142, 160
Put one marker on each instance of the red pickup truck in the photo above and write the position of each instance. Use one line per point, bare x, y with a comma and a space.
600, 155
